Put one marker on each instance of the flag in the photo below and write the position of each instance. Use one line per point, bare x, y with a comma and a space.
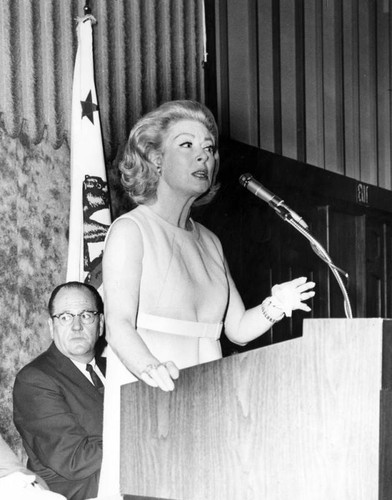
90, 204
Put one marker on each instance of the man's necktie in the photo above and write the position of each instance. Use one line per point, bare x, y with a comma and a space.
94, 377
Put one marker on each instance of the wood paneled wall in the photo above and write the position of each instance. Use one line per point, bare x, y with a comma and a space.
351, 219
309, 79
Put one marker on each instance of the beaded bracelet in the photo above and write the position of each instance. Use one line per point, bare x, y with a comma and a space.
271, 311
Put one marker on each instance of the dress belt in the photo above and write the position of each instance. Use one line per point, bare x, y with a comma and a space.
179, 326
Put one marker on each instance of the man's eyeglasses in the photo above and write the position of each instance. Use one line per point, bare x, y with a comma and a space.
86, 317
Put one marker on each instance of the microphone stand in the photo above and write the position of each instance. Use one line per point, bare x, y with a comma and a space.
323, 254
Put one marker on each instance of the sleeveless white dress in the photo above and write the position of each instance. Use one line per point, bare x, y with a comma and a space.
183, 298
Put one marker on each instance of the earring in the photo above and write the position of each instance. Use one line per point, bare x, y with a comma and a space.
158, 166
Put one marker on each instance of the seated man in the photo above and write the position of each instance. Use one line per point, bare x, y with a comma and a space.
58, 402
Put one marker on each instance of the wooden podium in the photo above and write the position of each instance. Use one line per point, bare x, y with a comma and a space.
306, 419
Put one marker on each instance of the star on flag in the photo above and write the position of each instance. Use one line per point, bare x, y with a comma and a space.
88, 108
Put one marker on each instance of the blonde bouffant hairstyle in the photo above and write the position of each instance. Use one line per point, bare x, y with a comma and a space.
139, 175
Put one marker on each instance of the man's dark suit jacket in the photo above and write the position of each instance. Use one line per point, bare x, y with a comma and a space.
59, 415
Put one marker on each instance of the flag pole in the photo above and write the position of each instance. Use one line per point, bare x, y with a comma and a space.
87, 8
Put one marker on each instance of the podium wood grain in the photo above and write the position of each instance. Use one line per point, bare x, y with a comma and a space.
293, 421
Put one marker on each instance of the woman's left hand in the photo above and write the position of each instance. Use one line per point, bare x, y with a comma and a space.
290, 295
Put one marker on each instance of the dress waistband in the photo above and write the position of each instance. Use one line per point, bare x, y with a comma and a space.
179, 326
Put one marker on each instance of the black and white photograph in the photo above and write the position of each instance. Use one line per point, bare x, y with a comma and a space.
196, 249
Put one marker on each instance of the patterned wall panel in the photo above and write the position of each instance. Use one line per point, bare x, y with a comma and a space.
33, 253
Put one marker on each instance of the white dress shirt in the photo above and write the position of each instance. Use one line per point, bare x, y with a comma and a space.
82, 368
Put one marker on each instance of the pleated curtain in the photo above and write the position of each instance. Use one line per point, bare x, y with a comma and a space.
146, 52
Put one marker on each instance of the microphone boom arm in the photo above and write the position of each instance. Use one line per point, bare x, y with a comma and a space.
288, 215
320, 251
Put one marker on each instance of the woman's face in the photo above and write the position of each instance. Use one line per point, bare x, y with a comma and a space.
188, 158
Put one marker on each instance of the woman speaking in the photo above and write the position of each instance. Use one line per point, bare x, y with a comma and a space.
168, 291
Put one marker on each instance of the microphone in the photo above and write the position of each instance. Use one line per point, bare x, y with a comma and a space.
248, 182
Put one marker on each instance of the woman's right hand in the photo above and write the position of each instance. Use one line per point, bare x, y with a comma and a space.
161, 375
